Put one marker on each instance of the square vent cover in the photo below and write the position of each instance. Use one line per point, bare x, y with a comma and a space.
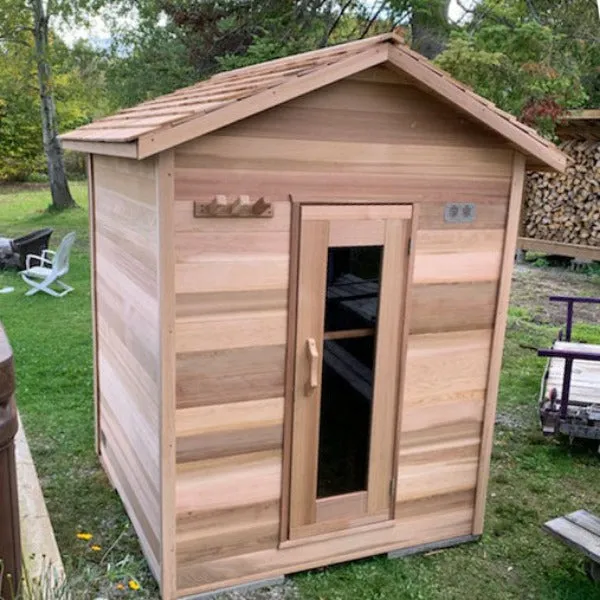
459, 212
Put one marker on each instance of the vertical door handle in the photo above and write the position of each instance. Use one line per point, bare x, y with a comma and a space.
313, 362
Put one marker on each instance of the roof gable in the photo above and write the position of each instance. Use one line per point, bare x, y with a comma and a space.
225, 98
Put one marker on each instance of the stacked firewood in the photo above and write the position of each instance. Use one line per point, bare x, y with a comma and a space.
566, 207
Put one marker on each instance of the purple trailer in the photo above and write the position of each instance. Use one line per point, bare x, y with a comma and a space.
570, 393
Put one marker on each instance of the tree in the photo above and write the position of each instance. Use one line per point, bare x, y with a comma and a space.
27, 23
429, 26
59, 186
524, 63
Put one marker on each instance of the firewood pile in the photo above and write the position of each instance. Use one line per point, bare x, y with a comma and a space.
566, 207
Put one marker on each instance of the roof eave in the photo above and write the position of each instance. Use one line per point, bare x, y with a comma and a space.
121, 149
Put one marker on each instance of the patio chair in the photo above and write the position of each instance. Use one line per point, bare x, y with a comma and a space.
52, 266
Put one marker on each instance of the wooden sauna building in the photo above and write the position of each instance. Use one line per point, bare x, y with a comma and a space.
301, 273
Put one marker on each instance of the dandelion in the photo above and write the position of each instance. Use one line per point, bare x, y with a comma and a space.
86, 537
120, 586
134, 585
95, 548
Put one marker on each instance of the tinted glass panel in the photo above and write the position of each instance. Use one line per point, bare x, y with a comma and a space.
352, 287
348, 369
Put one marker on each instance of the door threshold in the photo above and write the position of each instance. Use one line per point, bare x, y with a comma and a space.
323, 537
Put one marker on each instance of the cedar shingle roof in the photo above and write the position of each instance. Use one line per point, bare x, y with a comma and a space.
227, 97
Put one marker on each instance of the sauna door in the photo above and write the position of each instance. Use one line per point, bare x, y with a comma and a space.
352, 272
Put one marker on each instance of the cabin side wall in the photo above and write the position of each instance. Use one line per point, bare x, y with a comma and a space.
369, 138
125, 233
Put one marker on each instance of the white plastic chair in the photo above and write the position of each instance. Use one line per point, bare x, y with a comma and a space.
52, 266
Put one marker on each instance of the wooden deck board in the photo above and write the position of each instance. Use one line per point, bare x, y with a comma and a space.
580, 530
585, 380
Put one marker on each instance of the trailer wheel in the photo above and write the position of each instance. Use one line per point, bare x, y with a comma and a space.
592, 570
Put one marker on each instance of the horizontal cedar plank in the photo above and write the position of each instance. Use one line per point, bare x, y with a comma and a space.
242, 330
295, 121
229, 482
234, 540
457, 267
232, 375
380, 74
235, 152
224, 430
444, 523
451, 256
432, 241
491, 213
186, 222
228, 417
228, 443
192, 524
191, 305
348, 213
464, 499
453, 306
446, 365
233, 273
453, 431
453, 472
411, 102
442, 419
189, 246
334, 184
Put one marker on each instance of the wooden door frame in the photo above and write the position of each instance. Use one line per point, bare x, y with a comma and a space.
290, 361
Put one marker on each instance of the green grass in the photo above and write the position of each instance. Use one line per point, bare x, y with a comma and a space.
533, 478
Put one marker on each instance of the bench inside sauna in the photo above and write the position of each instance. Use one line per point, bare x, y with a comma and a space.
301, 273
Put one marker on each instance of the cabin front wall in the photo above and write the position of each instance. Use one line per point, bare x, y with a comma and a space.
371, 138
125, 271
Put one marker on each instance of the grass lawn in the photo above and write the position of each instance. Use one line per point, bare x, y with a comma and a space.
533, 478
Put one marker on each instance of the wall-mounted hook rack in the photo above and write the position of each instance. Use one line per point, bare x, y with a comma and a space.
242, 206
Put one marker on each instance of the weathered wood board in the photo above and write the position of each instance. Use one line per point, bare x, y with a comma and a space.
580, 530
585, 376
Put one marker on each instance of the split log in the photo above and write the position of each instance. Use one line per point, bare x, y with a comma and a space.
565, 207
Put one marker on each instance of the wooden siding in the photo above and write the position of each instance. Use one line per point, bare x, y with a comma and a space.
125, 220
358, 140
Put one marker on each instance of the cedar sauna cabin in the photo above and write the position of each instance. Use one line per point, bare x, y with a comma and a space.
301, 273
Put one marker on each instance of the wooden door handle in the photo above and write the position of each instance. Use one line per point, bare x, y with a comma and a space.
313, 361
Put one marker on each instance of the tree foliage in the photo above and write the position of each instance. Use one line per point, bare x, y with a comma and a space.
528, 57
535, 58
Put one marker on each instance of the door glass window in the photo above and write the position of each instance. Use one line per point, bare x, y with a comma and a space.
352, 301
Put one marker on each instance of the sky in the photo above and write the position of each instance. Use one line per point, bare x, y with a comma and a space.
98, 31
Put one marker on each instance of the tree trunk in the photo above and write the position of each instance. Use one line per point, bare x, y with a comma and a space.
429, 27
59, 186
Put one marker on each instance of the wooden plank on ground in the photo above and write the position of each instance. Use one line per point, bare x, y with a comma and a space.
575, 535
